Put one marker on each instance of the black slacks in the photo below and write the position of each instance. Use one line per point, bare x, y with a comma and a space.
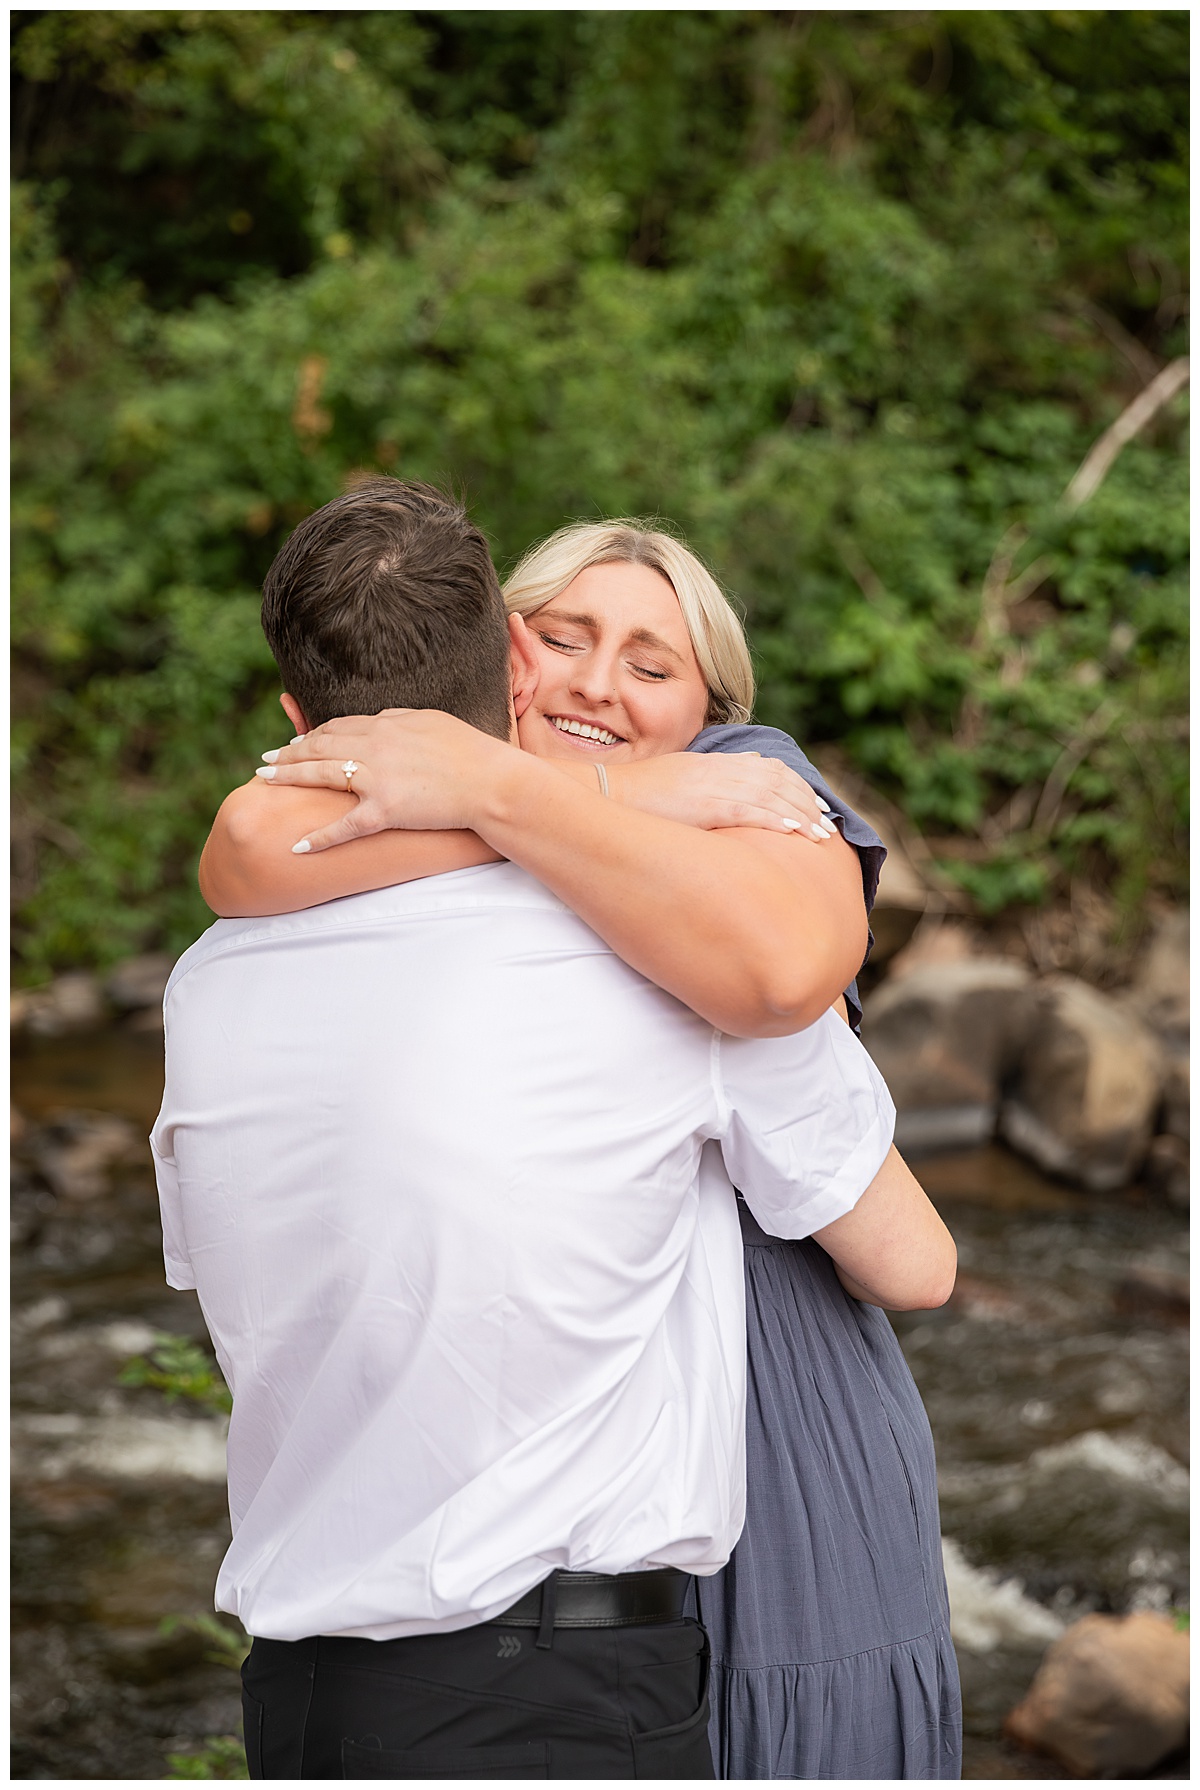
485, 1702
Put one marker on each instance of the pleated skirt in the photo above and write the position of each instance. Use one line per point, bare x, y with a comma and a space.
830, 1628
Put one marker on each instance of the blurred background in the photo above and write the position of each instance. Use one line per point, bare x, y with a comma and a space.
887, 312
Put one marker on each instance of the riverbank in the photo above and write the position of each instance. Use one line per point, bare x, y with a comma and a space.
1055, 1381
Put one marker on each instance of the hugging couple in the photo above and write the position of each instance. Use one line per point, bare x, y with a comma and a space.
551, 1455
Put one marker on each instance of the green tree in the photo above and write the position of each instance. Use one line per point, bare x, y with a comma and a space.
848, 297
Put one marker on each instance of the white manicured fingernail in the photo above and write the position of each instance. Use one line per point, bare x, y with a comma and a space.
301, 845
297, 737
265, 770
829, 832
793, 826
270, 757
823, 806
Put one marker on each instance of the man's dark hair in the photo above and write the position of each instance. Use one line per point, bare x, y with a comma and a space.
387, 598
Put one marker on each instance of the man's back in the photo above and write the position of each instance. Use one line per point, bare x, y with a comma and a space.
433, 1158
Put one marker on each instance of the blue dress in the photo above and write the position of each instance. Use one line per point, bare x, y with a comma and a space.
830, 1630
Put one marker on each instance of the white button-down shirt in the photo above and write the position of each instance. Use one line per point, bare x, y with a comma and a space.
450, 1181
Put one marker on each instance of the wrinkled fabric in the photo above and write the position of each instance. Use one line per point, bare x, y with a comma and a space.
830, 1627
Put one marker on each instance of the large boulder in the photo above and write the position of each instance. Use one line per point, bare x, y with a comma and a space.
71, 1003
139, 981
1159, 988
945, 1037
901, 901
1110, 1698
76, 1152
1084, 1100
1167, 1170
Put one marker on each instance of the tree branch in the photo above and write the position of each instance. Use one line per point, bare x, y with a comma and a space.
1133, 419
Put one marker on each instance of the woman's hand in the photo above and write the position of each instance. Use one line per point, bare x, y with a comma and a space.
723, 789
412, 768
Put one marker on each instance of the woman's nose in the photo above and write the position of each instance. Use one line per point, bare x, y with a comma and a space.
594, 678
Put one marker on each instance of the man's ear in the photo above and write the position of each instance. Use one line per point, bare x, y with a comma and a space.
524, 663
294, 713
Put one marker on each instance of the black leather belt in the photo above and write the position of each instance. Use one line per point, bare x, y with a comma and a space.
598, 1600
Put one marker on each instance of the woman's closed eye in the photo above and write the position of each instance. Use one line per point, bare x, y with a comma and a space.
653, 673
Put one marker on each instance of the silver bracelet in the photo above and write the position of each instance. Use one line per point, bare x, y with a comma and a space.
603, 776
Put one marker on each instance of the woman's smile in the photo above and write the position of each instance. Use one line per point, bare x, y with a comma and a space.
589, 736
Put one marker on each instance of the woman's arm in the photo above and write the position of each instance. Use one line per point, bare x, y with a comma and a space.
892, 1249
757, 931
247, 866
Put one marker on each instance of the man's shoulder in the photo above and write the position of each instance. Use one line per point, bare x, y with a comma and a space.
480, 887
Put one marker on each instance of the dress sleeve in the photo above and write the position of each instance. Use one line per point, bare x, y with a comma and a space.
806, 1123
771, 742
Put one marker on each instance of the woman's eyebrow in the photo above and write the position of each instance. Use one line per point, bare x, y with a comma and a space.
644, 637
563, 615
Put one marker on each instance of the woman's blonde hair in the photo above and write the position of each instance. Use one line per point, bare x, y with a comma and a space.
716, 632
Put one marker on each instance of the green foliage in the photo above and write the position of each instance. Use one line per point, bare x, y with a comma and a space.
229, 1646
848, 297
179, 1368
223, 1756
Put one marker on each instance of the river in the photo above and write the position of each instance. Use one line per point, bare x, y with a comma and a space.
1056, 1383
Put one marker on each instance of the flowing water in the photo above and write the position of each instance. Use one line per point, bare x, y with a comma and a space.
1055, 1381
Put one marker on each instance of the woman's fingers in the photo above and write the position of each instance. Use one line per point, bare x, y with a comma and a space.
816, 830
315, 773
781, 813
328, 773
795, 804
357, 824
771, 784
310, 748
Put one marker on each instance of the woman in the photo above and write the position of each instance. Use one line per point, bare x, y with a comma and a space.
831, 1649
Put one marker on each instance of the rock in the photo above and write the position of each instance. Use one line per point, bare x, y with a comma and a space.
148, 1019
1177, 1097
1159, 990
944, 1037
900, 901
1110, 1698
988, 1611
51, 1311
127, 1447
72, 1003
1167, 1169
1154, 1293
935, 941
139, 981
1088, 1087
992, 1304
76, 1151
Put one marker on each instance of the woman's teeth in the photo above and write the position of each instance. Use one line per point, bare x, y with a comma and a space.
600, 734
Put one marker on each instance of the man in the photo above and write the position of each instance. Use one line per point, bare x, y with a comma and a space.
452, 1183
